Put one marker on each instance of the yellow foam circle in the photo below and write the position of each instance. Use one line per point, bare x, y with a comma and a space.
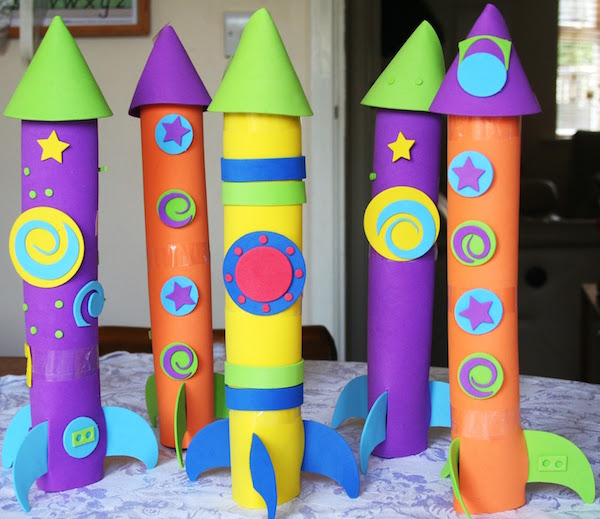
402, 223
46, 247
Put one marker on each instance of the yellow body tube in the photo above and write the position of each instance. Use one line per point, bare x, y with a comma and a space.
255, 340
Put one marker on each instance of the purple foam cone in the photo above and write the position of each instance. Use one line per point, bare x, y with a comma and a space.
66, 379
515, 98
169, 76
400, 305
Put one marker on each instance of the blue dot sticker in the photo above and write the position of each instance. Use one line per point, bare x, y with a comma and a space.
478, 311
482, 75
174, 134
470, 174
81, 437
179, 295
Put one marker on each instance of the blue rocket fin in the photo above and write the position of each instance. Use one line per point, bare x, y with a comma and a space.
328, 454
180, 423
31, 463
554, 459
374, 431
451, 469
151, 399
221, 410
209, 449
15, 434
439, 393
128, 434
352, 402
263, 475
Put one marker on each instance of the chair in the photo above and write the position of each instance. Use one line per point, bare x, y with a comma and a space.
317, 342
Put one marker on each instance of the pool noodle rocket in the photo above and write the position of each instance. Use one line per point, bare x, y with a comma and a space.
265, 441
485, 93
170, 99
402, 225
63, 436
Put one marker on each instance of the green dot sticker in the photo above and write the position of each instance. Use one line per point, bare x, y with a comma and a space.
480, 376
372, 176
32, 194
33, 330
473, 243
49, 192
59, 334
25, 307
26, 172
58, 303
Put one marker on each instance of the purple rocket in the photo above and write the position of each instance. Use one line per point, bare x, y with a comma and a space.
63, 436
402, 225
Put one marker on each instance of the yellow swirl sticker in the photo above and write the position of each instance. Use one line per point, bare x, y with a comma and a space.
46, 247
402, 223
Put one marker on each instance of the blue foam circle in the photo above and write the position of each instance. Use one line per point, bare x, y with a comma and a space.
489, 306
183, 284
172, 147
482, 74
81, 437
479, 161
250, 241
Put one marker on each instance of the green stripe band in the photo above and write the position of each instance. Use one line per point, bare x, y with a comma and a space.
264, 193
264, 377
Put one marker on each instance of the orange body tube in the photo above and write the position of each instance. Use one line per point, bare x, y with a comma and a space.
178, 251
493, 453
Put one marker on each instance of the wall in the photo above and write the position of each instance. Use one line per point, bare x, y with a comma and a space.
117, 64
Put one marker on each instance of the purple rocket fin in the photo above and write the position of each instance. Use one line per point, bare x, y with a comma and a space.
221, 410
352, 402
15, 434
151, 399
439, 393
209, 449
263, 475
328, 454
374, 431
31, 463
554, 459
128, 434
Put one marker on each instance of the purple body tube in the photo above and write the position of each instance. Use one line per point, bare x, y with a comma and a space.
400, 305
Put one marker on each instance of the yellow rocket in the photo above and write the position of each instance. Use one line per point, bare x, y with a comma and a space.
265, 440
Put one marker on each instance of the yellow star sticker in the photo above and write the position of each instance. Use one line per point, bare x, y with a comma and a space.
52, 147
401, 147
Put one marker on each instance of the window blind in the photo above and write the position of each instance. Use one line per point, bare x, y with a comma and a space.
578, 68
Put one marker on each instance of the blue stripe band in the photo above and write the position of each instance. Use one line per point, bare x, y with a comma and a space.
263, 170
243, 399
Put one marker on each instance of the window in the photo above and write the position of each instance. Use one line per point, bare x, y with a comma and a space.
578, 70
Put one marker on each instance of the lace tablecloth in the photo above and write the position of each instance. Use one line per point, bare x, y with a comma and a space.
406, 487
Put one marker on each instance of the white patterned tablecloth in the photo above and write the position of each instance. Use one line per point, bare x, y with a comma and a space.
406, 487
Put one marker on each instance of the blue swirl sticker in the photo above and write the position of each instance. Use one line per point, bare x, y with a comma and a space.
174, 134
94, 293
46, 247
478, 311
402, 223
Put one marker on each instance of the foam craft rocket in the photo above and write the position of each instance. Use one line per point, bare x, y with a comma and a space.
63, 436
402, 225
265, 441
485, 93
169, 100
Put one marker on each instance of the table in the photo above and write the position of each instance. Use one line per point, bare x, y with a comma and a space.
406, 487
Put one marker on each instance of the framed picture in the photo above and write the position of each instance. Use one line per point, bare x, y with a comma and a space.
94, 17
